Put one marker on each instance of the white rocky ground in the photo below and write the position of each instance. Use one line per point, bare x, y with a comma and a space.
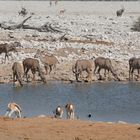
95, 20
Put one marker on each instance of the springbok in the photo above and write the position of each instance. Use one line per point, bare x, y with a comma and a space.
13, 108
70, 111
58, 112
62, 11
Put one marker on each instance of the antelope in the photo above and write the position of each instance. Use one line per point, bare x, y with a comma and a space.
58, 112
104, 63
6, 48
120, 12
23, 12
49, 61
13, 108
17, 73
33, 65
62, 11
83, 65
70, 111
134, 63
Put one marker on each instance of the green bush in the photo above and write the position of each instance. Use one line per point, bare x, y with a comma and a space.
136, 25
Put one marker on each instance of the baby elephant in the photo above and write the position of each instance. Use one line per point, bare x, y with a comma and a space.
13, 108
58, 112
70, 111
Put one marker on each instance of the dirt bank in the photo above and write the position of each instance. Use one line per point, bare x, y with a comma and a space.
53, 129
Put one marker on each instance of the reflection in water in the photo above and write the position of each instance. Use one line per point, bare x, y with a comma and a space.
109, 101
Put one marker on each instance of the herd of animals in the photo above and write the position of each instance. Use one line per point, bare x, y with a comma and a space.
33, 65
50, 61
23, 12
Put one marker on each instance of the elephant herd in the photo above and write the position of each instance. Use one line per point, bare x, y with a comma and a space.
50, 61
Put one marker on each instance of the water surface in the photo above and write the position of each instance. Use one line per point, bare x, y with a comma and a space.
110, 101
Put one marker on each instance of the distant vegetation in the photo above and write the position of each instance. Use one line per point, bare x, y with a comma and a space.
136, 25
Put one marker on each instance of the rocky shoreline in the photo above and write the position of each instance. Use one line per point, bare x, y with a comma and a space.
67, 58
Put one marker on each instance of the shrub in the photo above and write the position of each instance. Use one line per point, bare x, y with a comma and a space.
136, 25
